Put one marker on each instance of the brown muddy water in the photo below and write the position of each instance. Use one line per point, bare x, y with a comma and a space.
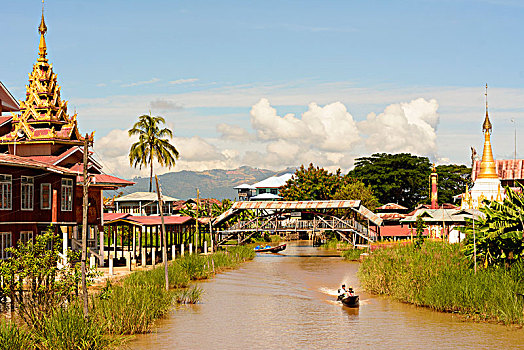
286, 301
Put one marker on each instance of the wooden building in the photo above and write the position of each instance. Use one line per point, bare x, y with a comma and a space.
44, 134
33, 195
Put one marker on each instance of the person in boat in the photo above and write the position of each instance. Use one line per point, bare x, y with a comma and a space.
342, 292
350, 291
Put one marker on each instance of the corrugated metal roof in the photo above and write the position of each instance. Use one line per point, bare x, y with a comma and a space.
12, 160
274, 181
442, 215
392, 206
143, 196
153, 220
507, 169
300, 205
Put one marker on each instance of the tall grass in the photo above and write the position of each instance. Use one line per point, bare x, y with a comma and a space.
67, 328
13, 337
353, 254
132, 306
438, 276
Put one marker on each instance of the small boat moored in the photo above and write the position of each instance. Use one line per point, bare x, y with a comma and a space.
269, 249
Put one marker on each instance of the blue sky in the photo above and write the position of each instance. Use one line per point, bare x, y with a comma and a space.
203, 64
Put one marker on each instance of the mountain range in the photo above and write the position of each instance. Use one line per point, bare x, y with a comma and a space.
216, 183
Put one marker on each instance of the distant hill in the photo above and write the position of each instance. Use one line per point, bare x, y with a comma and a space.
216, 183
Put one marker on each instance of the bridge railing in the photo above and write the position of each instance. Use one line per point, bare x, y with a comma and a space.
324, 224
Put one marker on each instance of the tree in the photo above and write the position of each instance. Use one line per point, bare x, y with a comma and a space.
499, 233
354, 189
313, 183
34, 280
399, 178
153, 143
452, 180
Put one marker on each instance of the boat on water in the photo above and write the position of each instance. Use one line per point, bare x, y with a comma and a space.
349, 300
269, 249
347, 297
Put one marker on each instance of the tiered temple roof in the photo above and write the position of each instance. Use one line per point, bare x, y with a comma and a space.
43, 115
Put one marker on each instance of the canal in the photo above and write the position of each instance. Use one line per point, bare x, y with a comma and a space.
286, 301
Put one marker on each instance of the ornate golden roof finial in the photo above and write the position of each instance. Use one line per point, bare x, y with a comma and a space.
42, 29
487, 124
487, 165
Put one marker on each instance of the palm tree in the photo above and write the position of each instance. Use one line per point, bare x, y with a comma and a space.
153, 142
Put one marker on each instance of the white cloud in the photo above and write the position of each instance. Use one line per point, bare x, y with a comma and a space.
183, 81
137, 83
403, 127
233, 132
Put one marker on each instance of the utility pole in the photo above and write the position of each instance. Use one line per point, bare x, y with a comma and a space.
196, 224
164, 243
515, 155
474, 246
85, 207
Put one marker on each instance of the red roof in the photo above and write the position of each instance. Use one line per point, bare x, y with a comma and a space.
27, 162
153, 220
391, 216
391, 206
104, 180
507, 169
5, 119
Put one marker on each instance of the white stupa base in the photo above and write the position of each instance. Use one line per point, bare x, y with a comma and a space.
485, 189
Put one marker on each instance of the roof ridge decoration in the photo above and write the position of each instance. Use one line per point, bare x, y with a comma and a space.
43, 107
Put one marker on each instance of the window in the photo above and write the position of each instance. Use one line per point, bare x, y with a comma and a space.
274, 191
5, 192
5, 242
67, 195
27, 192
26, 236
45, 196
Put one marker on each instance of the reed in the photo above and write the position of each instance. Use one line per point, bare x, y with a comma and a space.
352, 254
189, 295
132, 308
439, 276
14, 337
67, 328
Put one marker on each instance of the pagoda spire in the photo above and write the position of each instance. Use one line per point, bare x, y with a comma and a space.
487, 165
42, 29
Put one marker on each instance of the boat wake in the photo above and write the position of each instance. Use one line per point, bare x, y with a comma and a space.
329, 291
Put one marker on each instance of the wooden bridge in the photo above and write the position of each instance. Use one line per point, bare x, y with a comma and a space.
355, 226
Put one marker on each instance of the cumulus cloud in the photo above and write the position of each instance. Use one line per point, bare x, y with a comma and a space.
233, 132
403, 127
326, 135
328, 128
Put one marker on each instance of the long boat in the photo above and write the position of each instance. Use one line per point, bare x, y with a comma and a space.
275, 249
350, 300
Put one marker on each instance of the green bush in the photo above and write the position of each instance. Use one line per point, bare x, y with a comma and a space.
439, 276
13, 337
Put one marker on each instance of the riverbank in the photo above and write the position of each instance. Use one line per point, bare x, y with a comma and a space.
438, 276
130, 306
